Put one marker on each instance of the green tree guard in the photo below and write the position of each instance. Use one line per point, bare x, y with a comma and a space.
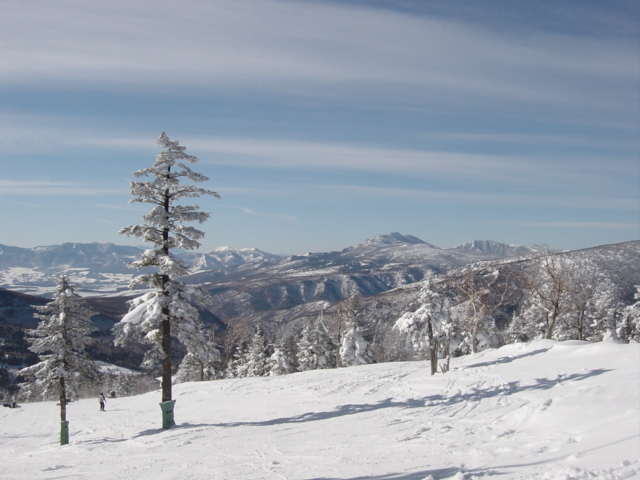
167, 414
64, 433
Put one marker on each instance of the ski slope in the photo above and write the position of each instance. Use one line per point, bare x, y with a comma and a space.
545, 410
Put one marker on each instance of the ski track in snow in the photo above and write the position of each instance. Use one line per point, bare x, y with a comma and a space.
546, 411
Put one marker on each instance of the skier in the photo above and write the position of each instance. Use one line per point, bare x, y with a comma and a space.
102, 401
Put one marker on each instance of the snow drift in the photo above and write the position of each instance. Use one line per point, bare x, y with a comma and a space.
544, 410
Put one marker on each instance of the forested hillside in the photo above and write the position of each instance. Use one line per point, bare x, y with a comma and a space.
333, 309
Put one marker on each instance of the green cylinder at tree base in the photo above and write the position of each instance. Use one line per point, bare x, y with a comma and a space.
167, 414
64, 433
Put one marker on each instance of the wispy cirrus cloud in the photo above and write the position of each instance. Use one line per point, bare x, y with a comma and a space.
288, 46
571, 224
461, 197
252, 212
569, 172
512, 170
21, 204
51, 188
293, 106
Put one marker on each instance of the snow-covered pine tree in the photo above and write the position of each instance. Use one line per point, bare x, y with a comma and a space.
200, 362
307, 359
429, 327
324, 345
236, 367
255, 360
355, 345
60, 340
280, 361
169, 309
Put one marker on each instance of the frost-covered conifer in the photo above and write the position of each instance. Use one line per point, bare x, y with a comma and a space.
307, 359
324, 345
169, 309
200, 362
430, 326
316, 349
60, 340
255, 360
280, 362
355, 345
237, 368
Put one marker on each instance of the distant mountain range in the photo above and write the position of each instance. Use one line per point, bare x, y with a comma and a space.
249, 286
101, 268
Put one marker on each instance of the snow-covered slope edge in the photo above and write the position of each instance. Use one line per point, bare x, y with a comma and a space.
546, 410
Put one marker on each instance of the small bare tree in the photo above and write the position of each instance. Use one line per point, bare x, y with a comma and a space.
483, 290
550, 288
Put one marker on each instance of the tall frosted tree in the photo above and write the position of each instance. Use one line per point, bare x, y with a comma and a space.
169, 309
60, 340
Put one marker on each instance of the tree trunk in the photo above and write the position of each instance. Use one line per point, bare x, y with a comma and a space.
552, 322
581, 322
433, 349
446, 354
474, 337
63, 401
166, 361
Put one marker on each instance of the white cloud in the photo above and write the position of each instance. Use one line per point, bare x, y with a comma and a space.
570, 170
249, 211
289, 46
497, 198
570, 224
21, 204
51, 188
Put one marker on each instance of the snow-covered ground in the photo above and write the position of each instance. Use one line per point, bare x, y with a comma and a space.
547, 410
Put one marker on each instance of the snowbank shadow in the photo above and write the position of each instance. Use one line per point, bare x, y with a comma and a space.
513, 387
508, 359
475, 394
144, 433
436, 474
342, 410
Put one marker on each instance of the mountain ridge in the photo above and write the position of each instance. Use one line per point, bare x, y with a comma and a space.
102, 267
282, 294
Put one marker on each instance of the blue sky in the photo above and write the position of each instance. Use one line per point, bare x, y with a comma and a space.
323, 123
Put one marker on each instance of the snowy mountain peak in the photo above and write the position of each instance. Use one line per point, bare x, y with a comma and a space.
226, 257
394, 238
490, 247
